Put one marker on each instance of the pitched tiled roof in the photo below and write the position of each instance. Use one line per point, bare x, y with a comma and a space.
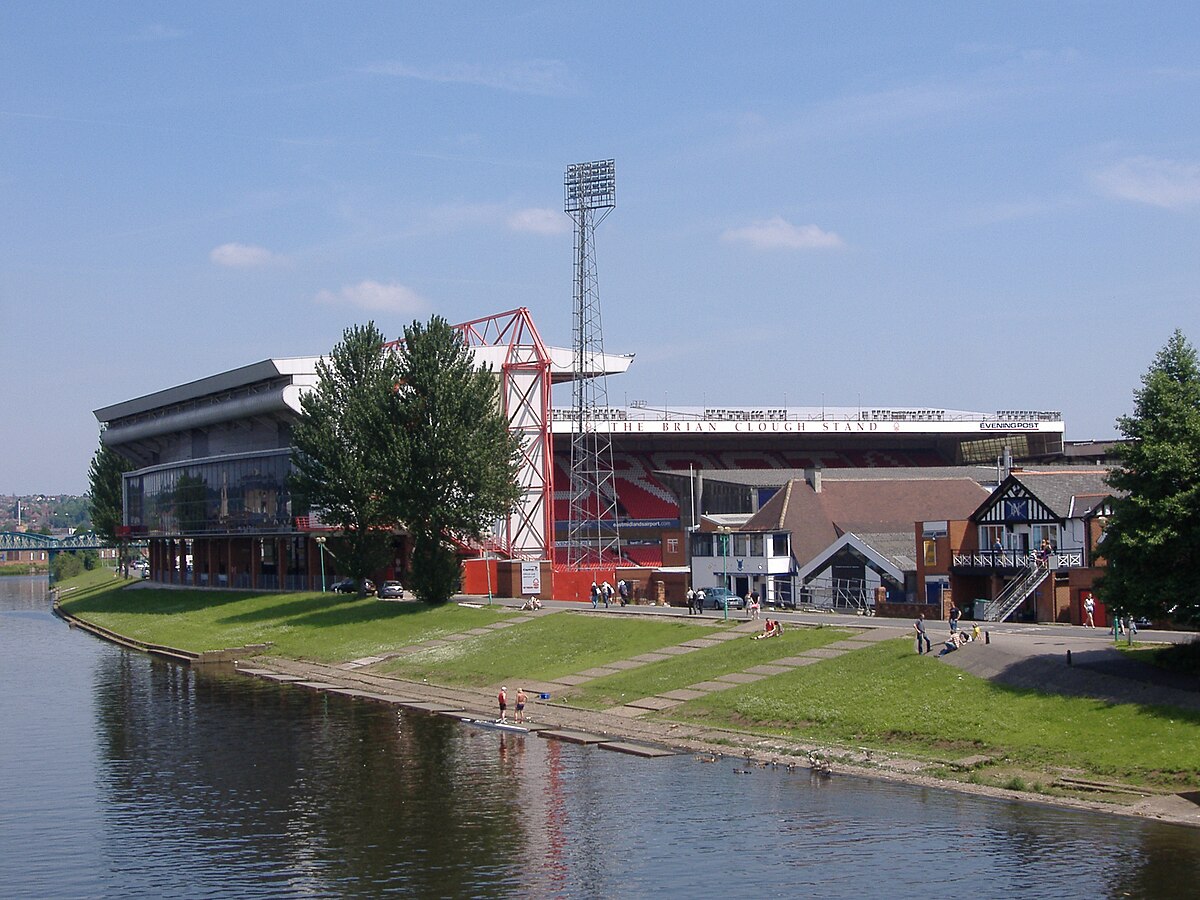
816, 520
1058, 489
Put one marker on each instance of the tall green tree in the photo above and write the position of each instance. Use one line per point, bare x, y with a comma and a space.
106, 499
1152, 540
458, 465
344, 448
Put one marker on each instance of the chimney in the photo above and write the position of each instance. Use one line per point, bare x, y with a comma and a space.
813, 477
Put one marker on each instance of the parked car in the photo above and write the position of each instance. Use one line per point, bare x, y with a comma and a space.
350, 586
722, 598
391, 590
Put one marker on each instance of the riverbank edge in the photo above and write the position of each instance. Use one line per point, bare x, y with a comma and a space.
709, 743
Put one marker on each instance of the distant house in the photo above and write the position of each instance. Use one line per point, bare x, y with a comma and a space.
1028, 551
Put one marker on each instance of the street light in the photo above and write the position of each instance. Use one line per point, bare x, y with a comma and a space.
320, 539
724, 531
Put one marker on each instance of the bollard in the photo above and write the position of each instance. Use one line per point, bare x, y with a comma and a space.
987, 637
1068, 657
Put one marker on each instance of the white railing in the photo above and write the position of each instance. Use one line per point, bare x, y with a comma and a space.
1017, 559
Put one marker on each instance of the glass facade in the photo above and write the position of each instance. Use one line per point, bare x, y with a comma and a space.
238, 494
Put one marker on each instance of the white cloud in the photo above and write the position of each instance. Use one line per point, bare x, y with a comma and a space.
779, 233
375, 297
243, 256
539, 221
1158, 182
541, 77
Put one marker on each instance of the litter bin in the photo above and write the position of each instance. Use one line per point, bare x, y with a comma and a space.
979, 613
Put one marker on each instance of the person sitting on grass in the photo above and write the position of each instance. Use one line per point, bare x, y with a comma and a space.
771, 629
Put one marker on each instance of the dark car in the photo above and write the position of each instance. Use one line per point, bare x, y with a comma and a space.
391, 590
350, 586
722, 598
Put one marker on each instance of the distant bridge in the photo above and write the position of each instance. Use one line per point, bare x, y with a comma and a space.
24, 540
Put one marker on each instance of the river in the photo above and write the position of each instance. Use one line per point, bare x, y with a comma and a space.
124, 776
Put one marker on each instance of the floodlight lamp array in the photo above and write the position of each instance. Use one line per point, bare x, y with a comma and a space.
591, 185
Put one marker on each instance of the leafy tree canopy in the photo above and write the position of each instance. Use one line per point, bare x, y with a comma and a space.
344, 447
104, 491
1152, 540
458, 464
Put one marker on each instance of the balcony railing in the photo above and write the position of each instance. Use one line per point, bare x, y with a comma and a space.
1017, 559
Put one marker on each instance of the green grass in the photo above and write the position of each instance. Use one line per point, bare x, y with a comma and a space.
1183, 659
699, 665
542, 650
315, 626
887, 697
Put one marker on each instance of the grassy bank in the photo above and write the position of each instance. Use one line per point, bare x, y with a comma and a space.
883, 696
916, 705
315, 626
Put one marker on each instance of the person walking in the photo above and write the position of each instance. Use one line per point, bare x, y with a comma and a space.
955, 615
691, 600
923, 645
1089, 612
595, 595
700, 602
623, 592
607, 592
502, 702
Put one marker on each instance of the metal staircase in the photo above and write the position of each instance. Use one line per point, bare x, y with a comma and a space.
1015, 593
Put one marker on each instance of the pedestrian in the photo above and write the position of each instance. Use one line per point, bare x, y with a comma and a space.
754, 607
955, 615
595, 595
691, 600
521, 704
700, 602
923, 645
623, 591
607, 592
1089, 611
502, 700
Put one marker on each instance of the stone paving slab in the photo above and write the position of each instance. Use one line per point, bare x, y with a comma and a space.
739, 677
848, 644
622, 664
316, 685
495, 625
700, 643
768, 670
431, 644
880, 634
677, 650
710, 686
571, 736
257, 673
653, 703
432, 707
728, 635
285, 679
636, 749
573, 679
683, 694
458, 637
478, 631
366, 661
404, 651
599, 672
793, 661
823, 653
649, 657
626, 712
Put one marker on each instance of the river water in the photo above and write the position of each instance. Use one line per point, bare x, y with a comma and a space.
123, 776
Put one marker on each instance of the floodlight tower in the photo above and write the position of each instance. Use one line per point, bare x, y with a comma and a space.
594, 537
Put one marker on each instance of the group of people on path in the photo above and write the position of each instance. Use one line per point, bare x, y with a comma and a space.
695, 601
603, 593
502, 701
957, 637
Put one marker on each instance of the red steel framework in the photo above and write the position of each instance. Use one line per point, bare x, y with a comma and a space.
528, 533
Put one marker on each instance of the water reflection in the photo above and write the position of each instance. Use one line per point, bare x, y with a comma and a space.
132, 777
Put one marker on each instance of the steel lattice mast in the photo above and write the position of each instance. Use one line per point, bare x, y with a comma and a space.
594, 537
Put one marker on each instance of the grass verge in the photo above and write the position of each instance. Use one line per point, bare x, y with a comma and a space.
314, 626
701, 665
888, 698
541, 650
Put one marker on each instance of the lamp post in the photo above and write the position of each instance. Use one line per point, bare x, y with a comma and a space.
321, 552
724, 530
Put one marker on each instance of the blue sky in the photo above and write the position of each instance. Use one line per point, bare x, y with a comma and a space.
958, 205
